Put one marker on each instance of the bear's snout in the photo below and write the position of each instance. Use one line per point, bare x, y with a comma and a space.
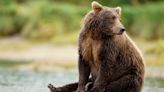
122, 30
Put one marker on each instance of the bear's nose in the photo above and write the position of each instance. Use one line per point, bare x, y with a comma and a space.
122, 29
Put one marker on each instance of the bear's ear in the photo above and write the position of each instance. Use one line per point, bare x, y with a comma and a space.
96, 6
118, 10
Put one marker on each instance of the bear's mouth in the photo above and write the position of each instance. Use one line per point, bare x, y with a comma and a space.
120, 33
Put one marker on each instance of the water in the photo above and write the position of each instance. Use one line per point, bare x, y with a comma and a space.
12, 80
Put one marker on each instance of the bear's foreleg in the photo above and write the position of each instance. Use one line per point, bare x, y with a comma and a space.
84, 72
106, 58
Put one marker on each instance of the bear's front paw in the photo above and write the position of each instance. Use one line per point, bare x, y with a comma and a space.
52, 88
88, 86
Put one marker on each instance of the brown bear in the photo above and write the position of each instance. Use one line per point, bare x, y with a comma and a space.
107, 55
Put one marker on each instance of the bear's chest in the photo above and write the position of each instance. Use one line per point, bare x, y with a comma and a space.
90, 51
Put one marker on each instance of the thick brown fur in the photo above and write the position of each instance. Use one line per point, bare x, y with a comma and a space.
107, 54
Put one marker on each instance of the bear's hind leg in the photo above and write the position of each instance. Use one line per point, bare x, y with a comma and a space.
67, 88
127, 83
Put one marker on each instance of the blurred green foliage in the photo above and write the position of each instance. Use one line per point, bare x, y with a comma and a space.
13, 63
145, 20
55, 19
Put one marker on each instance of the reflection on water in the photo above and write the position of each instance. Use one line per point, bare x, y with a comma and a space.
12, 80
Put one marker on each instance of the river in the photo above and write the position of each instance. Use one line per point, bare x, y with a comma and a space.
22, 80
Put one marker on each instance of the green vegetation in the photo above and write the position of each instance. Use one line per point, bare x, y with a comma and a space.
60, 22
145, 20
46, 21
12, 63
154, 53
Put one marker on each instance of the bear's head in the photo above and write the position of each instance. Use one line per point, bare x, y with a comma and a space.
104, 20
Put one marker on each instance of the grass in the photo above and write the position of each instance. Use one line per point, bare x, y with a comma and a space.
37, 65
153, 51
12, 63
63, 39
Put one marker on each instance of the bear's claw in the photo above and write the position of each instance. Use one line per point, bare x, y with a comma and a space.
52, 88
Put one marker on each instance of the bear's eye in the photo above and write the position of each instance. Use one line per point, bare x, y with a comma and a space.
113, 17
